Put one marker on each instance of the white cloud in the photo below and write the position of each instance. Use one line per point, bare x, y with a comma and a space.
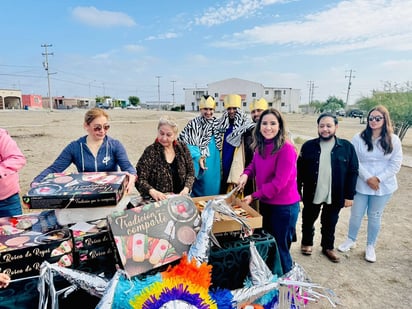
134, 48
102, 56
164, 36
198, 59
233, 10
398, 64
349, 25
94, 17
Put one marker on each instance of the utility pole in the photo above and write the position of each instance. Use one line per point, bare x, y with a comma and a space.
173, 92
349, 85
90, 88
158, 92
310, 96
46, 67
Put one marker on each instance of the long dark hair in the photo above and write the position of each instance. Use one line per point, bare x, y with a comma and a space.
278, 141
387, 130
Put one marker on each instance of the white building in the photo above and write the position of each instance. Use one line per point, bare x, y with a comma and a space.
287, 100
10, 99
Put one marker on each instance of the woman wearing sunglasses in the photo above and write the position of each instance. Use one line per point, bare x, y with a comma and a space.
94, 152
379, 152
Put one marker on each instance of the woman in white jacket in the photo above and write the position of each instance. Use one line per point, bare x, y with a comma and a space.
379, 152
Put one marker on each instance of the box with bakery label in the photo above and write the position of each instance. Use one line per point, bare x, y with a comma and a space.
77, 190
155, 234
22, 251
97, 260
90, 234
224, 224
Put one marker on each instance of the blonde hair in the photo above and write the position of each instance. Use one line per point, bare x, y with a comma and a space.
170, 121
93, 113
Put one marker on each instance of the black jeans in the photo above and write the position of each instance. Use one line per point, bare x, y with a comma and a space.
328, 220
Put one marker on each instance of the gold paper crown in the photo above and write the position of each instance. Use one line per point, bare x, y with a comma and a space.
207, 103
232, 100
259, 104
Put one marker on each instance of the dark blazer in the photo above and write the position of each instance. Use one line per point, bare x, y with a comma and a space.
153, 171
344, 170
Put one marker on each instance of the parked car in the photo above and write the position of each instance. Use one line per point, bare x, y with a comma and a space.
341, 112
355, 113
133, 107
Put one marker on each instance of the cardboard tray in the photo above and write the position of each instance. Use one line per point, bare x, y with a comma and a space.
77, 190
225, 224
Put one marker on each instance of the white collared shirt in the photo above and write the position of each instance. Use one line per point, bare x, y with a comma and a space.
375, 163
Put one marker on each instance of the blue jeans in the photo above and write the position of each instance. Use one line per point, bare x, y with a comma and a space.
280, 222
11, 206
373, 205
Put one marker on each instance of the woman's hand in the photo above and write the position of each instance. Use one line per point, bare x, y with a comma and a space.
373, 183
248, 199
185, 191
157, 195
242, 182
202, 163
4, 280
131, 183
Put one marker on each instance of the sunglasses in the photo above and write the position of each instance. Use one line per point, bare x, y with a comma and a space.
99, 127
376, 118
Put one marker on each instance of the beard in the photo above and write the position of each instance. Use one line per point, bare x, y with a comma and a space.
326, 138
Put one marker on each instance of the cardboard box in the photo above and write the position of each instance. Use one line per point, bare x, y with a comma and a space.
22, 251
90, 234
99, 260
77, 190
70, 216
155, 234
224, 224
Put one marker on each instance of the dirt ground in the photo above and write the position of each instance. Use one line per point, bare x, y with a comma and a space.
387, 283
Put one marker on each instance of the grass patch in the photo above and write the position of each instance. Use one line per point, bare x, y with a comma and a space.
299, 140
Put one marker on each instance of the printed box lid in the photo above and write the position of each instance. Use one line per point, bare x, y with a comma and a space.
74, 190
154, 234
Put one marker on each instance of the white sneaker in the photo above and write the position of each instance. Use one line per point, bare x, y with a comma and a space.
347, 245
370, 255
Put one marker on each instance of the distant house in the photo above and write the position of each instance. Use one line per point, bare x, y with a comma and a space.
160, 105
32, 101
68, 103
284, 99
10, 99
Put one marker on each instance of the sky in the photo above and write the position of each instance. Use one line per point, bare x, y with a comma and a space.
155, 49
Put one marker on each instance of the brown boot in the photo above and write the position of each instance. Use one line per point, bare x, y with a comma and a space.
331, 254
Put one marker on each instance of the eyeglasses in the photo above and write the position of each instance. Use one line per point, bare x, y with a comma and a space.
376, 118
99, 127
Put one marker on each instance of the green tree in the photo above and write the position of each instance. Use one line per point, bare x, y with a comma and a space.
398, 101
316, 106
134, 100
332, 104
